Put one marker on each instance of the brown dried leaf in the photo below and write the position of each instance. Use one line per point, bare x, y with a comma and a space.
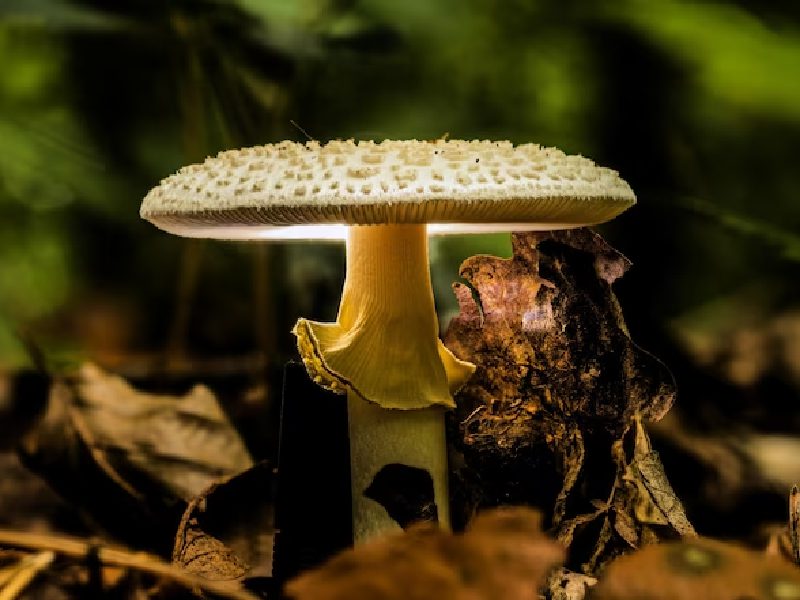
642, 509
794, 524
648, 472
559, 384
182, 444
547, 332
228, 531
699, 568
130, 460
185, 443
503, 555
625, 526
565, 585
206, 556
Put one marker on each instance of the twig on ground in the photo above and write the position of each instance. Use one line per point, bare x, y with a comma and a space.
118, 557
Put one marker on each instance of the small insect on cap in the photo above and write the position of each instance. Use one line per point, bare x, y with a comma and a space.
278, 190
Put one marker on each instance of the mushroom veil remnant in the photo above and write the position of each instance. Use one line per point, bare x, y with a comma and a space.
384, 351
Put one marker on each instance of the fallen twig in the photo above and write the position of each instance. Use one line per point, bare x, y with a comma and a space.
16, 578
119, 557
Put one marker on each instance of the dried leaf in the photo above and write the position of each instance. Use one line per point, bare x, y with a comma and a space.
204, 555
794, 524
228, 531
642, 508
565, 585
503, 555
650, 473
699, 568
185, 443
625, 526
558, 383
131, 460
572, 458
545, 328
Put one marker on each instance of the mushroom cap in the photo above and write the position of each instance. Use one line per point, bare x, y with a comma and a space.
283, 190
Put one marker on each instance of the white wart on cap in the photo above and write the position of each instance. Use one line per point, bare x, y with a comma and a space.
239, 193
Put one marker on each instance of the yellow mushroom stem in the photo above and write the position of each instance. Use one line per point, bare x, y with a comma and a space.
384, 352
384, 345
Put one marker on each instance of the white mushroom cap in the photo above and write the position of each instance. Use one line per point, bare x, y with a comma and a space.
285, 190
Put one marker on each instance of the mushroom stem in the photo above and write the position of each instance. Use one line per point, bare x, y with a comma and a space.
381, 437
384, 345
384, 351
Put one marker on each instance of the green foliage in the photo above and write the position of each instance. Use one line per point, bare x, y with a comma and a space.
785, 243
44, 166
55, 15
99, 101
47, 160
737, 58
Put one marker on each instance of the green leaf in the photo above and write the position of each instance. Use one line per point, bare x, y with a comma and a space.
736, 57
56, 14
785, 242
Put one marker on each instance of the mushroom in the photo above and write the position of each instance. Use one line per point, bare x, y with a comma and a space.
383, 351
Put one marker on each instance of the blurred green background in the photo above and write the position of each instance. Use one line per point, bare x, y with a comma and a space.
697, 104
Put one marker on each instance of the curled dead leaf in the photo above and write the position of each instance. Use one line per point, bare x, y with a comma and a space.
227, 532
